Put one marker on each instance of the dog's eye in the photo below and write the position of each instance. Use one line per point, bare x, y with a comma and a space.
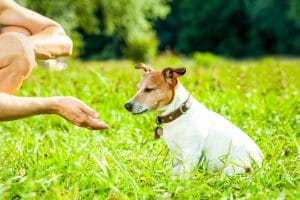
149, 89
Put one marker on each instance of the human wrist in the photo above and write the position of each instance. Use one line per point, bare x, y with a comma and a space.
52, 105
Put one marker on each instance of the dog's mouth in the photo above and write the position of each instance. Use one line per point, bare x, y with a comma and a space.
136, 108
140, 112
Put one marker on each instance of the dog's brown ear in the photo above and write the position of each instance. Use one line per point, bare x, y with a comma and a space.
173, 72
179, 71
146, 68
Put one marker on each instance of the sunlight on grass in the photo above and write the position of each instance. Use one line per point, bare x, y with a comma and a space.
44, 157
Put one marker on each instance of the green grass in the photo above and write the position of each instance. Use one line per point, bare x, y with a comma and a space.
45, 157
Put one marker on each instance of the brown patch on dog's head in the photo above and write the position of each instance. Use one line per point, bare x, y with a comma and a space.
156, 89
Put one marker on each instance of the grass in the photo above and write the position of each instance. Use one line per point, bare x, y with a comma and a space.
44, 157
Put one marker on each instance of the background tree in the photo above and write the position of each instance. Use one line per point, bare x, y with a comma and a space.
236, 28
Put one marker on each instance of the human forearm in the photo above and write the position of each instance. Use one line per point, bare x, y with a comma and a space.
12, 107
70, 108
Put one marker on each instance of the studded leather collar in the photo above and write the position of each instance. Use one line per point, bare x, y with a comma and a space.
182, 109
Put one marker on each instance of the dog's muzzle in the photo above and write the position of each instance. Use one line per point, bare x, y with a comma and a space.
135, 108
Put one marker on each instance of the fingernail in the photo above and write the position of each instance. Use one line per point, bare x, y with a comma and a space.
96, 115
104, 124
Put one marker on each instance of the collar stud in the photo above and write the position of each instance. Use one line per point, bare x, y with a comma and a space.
182, 109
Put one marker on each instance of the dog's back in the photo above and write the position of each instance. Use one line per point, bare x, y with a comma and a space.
229, 145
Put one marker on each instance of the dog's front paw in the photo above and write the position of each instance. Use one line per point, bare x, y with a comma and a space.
177, 171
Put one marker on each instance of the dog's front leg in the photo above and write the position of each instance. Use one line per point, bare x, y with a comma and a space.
177, 168
190, 160
183, 166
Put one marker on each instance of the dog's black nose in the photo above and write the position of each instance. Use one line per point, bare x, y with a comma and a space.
128, 106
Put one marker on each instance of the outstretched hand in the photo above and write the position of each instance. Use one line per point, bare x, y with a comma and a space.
78, 113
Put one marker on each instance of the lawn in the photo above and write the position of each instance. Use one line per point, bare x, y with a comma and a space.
45, 157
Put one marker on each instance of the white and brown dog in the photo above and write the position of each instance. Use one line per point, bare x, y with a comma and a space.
190, 130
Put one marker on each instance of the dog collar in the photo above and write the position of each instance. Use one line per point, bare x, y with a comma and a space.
182, 109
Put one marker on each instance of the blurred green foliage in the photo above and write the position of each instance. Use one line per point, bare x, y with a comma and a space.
232, 28
236, 28
207, 59
109, 27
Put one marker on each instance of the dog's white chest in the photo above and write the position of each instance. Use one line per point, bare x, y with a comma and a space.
185, 134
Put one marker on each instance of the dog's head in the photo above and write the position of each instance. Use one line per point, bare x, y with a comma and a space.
156, 89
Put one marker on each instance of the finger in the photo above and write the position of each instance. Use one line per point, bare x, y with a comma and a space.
94, 124
89, 111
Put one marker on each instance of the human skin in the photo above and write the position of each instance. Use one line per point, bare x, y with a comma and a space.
27, 36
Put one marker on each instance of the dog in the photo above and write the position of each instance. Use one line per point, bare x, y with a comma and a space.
190, 130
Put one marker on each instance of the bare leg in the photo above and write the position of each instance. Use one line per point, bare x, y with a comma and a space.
16, 61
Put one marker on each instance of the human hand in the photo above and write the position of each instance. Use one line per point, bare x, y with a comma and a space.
78, 113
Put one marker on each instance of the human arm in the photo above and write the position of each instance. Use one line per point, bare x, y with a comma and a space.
47, 36
70, 108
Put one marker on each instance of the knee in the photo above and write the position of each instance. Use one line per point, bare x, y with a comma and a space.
22, 57
23, 65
